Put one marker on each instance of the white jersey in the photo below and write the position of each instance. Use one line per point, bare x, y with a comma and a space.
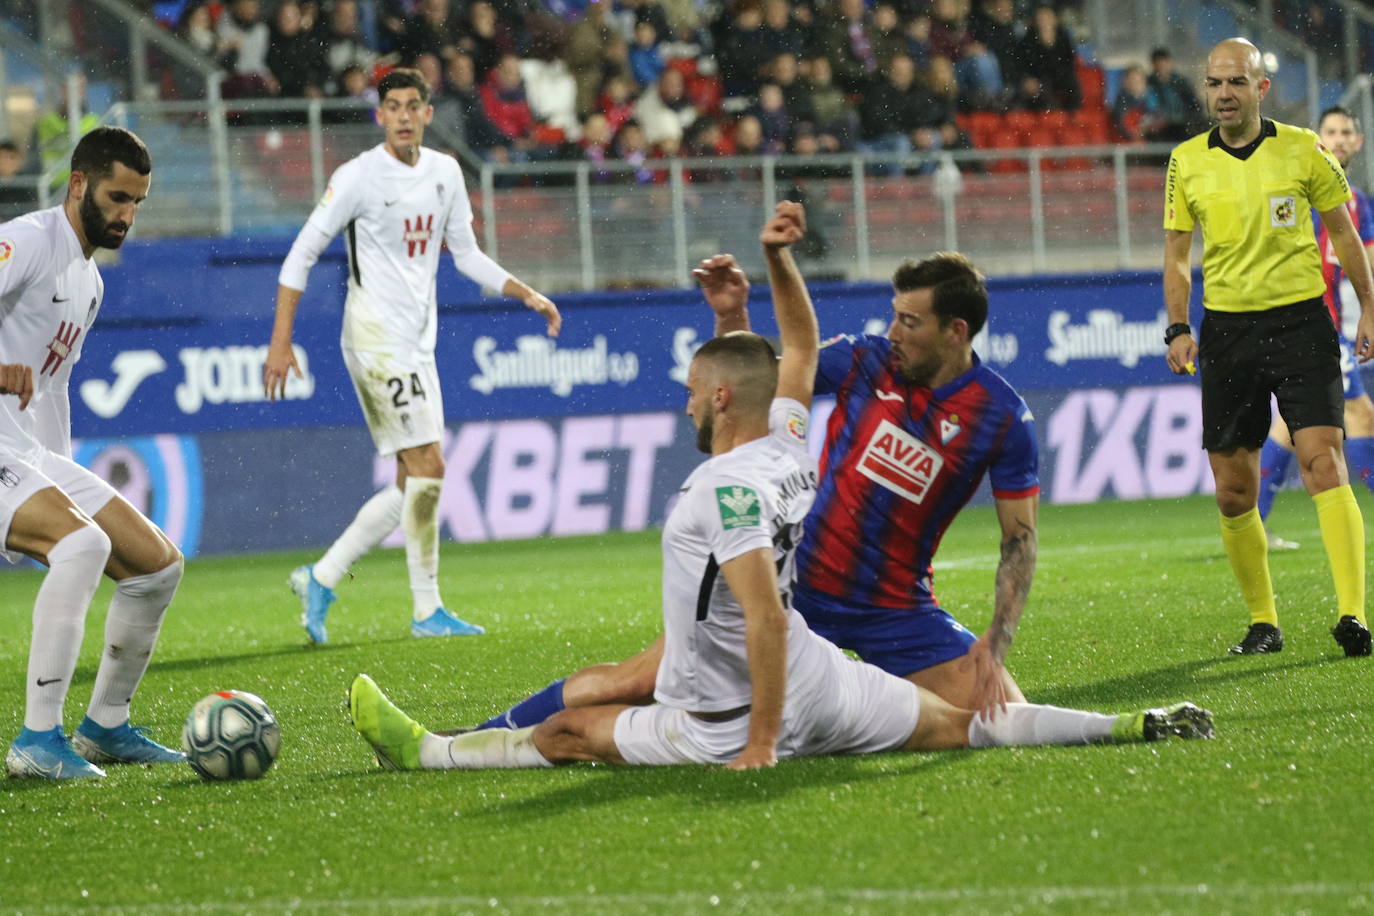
753, 496
50, 293
396, 219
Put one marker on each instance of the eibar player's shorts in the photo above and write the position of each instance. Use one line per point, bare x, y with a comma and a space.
400, 399
1290, 352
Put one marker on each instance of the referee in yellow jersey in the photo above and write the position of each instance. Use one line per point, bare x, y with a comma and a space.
1250, 183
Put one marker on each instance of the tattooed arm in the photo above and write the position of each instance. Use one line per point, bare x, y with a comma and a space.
1014, 573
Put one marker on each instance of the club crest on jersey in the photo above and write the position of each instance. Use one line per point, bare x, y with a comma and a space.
1283, 211
898, 461
739, 507
418, 234
949, 428
8, 477
60, 347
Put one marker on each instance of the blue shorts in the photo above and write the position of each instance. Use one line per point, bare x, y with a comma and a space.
1350, 370
900, 641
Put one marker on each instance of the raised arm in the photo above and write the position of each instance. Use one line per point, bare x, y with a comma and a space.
726, 289
1345, 242
753, 581
797, 326
1178, 289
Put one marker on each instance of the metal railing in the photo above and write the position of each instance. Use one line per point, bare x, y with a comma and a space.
257, 168
191, 73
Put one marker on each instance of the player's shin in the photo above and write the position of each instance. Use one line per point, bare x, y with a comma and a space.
530, 711
377, 518
131, 629
500, 748
1032, 723
75, 564
420, 518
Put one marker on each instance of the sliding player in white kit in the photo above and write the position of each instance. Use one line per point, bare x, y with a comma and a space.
743, 681
400, 203
52, 509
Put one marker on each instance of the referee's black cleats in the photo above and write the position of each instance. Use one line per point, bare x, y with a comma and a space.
1352, 636
1261, 639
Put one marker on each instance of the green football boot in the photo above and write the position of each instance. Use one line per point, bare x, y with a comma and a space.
395, 737
1182, 720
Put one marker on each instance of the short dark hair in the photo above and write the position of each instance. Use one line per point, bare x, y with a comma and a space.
9, 146
1159, 54
97, 152
749, 360
1339, 110
403, 78
957, 288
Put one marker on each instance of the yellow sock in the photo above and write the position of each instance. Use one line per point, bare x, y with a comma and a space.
1343, 535
1248, 550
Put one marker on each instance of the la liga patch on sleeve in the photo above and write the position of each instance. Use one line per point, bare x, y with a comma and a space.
739, 507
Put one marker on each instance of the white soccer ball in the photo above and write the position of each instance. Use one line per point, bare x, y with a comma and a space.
231, 735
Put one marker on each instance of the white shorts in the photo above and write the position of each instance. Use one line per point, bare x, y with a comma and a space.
400, 399
849, 708
21, 478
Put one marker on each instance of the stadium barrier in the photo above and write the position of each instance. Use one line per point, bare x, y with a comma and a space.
576, 436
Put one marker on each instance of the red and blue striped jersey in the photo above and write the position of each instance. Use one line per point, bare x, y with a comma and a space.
1362, 215
898, 464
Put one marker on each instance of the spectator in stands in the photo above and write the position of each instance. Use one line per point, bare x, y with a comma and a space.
779, 33
506, 103
886, 34
978, 70
1133, 112
943, 84
1179, 110
630, 146
53, 133
595, 146
995, 26
197, 29
244, 40
705, 138
584, 54
949, 28
436, 30
748, 140
785, 73
393, 16
894, 110
918, 41
1047, 63
460, 114
353, 83
740, 51
484, 38
774, 123
617, 101
835, 118
646, 63
296, 59
14, 190
344, 44
664, 111
849, 47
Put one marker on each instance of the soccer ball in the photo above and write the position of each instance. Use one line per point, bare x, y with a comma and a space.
231, 735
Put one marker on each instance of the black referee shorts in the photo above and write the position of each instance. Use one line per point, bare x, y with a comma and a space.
1290, 352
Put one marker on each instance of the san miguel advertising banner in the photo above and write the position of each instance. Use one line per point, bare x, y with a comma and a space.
577, 435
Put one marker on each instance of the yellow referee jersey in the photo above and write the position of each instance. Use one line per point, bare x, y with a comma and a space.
1255, 207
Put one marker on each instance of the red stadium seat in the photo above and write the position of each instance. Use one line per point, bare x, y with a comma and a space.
1020, 121
1053, 120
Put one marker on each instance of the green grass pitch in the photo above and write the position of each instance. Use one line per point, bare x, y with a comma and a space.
1133, 605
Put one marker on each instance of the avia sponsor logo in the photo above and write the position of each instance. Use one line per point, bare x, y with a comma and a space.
1131, 444
233, 375
900, 462
1105, 335
538, 362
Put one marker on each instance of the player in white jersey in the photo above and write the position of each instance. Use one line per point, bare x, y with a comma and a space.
51, 509
743, 681
399, 204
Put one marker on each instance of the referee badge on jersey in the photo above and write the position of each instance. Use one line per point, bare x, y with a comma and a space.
1283, 211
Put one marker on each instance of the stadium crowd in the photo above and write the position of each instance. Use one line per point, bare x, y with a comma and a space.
639, 80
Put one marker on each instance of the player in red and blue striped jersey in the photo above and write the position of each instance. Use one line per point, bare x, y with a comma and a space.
1340, 132
919, 421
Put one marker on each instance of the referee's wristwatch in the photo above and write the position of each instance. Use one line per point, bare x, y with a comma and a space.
1177, 329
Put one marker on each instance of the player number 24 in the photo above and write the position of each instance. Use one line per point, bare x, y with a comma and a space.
398, 390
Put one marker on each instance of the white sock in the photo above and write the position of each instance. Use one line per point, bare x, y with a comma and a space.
75, 565
1032, 723
498, 748
377, 518
131, 628
420, 519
